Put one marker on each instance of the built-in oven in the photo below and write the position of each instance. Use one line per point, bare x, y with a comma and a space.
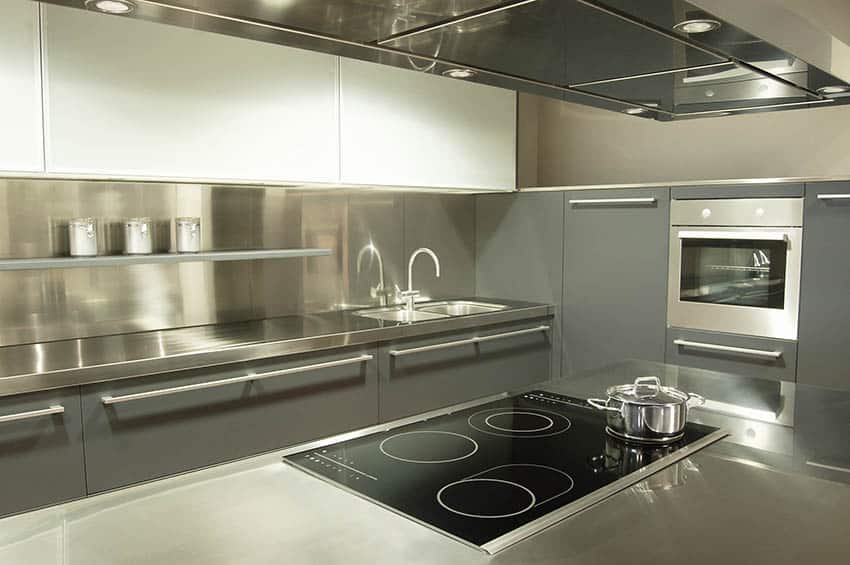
735, 265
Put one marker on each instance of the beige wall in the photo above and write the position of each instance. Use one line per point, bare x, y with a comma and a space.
583, 145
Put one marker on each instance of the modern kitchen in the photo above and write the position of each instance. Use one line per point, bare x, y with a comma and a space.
424, 282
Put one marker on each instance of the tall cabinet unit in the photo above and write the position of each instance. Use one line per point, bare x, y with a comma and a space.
20, 88
129, 97
615, 277
405, 128
824, 330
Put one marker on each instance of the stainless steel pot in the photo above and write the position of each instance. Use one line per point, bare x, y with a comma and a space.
645, 411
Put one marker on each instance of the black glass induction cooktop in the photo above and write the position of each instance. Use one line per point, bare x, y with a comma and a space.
498, 472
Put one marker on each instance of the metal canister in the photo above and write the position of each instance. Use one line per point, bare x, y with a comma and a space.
137, 236
188, 234
82, 235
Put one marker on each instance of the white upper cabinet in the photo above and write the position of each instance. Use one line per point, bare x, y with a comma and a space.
403, 128
21, 147
126, 97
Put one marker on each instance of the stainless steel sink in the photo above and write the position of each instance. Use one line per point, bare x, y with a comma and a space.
430, 311
399, 314
460, 308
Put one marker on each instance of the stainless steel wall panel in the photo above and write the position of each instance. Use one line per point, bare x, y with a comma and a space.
446, 224
69, 303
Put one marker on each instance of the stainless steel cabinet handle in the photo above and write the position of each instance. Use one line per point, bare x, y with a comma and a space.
612, 201
833, 196
57, 409
728, 348
470, 341
107, 400
746, 235
827, 467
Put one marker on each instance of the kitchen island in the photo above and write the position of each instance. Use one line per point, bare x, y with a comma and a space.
770, 493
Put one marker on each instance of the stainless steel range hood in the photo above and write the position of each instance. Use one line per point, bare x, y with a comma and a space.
632, 56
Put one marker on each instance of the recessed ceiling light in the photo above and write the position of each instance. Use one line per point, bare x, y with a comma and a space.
697, 26
837, 89
459, 73
635, 111
111, 6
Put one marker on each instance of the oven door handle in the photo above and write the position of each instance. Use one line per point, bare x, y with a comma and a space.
748, 235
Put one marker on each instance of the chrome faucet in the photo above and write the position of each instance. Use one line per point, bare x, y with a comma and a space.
410, 295
380, 291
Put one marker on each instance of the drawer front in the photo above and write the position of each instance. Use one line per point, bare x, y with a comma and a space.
422, 374
747, 356
149, 427
41, 450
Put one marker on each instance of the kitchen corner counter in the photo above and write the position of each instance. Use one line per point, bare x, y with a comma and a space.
710, 508
50, 365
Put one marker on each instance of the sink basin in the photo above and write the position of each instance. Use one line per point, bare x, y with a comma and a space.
460, 308
400, 314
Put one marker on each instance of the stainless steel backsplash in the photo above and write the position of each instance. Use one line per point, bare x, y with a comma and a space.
68, 303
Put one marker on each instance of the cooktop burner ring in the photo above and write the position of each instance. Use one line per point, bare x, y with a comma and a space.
479, 421
550, 423
532, 502
386, 451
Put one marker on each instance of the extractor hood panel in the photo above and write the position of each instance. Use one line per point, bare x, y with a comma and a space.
564, 42
620, 55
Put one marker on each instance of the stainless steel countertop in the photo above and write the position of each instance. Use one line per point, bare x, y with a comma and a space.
686, 183
729, 506
42, 366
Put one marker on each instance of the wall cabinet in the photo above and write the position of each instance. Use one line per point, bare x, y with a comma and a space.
142, 429
615, 277
41, 450
405, 128
129, 97
824, 331
20, 88
426, 373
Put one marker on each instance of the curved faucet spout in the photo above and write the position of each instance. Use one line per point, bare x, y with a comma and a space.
370, 248
377, 291
413, 257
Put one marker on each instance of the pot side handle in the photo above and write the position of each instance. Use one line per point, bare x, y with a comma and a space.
600, 404
698, 399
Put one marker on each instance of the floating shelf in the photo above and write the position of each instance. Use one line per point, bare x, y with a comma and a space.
117, 260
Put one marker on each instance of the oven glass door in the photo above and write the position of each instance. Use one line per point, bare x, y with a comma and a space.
734, 269
736, 280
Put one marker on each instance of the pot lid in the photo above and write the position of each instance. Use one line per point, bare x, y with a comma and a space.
647, 391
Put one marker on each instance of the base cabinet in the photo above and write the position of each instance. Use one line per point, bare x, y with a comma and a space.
426, 373
142, 429
41, 450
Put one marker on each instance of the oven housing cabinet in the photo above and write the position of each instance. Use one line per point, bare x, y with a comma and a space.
765, 220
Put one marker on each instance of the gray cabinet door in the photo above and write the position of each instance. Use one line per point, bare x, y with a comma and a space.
41, 449
615, 277
137, 438
520, 252
824, 333
422, 374
747, 356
